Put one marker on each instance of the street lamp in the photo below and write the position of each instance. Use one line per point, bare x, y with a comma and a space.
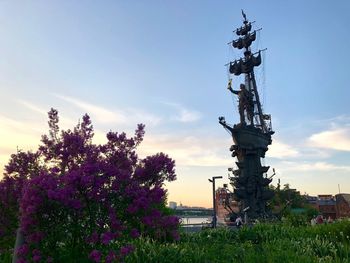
212, 180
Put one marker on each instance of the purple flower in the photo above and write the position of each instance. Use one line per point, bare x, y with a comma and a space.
36, 252
126, 250
76, 204
134, 233
156, 213
95, 255
170, 221
36, 258
35, 237
36, 255
132, 209
107, 237
147, 220
30, 209
93, 238
111, 257
73, 185
23, 250
52, 194
175, 235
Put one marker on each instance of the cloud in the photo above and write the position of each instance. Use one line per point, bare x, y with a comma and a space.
141, 116
337, 139
312, 167
64, 121
336, 122
189, 150
186, 115
183, 114
15, 134
102, 115
281, 150
323, 166
11, 126
314, 153
33, 107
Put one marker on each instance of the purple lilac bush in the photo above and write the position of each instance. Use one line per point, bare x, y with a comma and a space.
74, 199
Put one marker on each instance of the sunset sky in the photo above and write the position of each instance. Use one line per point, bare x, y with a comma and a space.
161, 63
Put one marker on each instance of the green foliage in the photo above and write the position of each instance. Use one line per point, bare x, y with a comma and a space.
299, 217
286, 199
278, 242
310, 212
296, 220
263, 243
5, 257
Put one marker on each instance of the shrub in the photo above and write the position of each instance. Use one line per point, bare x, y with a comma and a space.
82, 202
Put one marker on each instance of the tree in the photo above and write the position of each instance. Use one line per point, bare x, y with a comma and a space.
286, 198
79, 200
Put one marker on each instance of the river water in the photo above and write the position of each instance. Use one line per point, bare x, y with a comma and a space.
195, 220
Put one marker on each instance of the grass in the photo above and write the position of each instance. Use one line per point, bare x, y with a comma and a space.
262, 243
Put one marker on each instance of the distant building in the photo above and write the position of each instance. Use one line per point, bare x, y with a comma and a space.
327, 206
312, 200
172, 205
224, 204
343, 205
182, 207
337, 206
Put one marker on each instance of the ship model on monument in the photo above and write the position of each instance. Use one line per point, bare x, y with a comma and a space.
252, 135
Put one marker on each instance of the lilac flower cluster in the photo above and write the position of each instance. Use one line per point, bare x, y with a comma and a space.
21, 167
87, 199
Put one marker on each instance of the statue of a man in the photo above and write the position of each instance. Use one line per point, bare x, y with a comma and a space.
245, 103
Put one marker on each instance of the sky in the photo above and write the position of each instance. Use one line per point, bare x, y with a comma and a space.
161, 63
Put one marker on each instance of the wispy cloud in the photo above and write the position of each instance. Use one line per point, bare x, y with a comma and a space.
312, 166
188, 150
15, 134
9, 125
282, 150
336, 139
183, 114
33, 107
103, 115
188, 116
66, 122
335, 122
142, 116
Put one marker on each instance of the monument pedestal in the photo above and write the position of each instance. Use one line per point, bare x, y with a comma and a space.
250, 185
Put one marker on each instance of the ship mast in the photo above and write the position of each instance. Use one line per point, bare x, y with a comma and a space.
246, 66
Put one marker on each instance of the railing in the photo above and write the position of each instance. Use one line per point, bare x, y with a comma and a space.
188, 228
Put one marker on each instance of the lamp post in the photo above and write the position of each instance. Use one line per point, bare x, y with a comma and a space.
212, 180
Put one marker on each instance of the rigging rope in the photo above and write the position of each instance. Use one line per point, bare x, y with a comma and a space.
258, 39
264, 78
231, 51
259, 75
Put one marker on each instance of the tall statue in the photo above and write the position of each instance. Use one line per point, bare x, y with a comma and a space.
252, 135
245, 103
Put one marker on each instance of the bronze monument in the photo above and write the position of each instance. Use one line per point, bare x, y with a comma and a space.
252, 135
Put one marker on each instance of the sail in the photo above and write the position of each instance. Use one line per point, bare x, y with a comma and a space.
244, 29
245, 65
244, 42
